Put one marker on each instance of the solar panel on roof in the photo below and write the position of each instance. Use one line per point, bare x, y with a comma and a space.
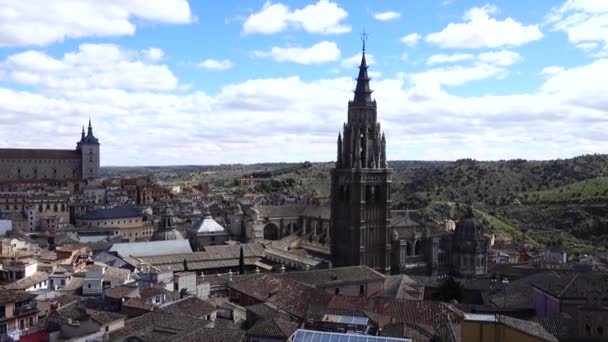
303, 335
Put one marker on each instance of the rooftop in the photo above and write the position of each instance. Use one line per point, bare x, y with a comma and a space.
111, 213
336, 276
12, 296
152, 248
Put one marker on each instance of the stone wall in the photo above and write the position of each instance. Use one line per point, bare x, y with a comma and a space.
36, 164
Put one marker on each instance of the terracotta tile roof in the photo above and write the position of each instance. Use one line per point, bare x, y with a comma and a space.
572, 285
216, 334
23, 153
336, 276
528, 327
27, 282
157, 325
105, 317
189, 306
289, 295
399, 310
267, 310
12, 296
273, 328
559, 327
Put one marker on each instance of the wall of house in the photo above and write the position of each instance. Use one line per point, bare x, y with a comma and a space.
545, 305
474, 331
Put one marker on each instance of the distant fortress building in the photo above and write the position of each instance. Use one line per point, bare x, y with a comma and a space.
52, 165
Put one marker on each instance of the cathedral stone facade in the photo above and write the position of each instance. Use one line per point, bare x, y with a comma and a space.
360, 186
52, 165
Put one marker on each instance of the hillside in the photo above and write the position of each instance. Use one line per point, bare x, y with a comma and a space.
562, 201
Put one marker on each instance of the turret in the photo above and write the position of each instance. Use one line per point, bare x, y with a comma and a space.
89, 151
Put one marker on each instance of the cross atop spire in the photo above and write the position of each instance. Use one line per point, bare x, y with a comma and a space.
364, 36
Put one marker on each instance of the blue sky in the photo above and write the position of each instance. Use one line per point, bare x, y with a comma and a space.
208, 82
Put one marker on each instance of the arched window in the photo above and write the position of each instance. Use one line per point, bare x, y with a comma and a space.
55, 207
378, 193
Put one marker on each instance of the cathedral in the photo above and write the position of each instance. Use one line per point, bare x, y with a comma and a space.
52, 165
364, 230
360, 186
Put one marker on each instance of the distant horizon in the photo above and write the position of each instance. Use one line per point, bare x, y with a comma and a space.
328, 162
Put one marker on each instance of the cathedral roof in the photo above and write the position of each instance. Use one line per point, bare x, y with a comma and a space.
166, 229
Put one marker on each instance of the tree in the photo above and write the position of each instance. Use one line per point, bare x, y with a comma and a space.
242, 262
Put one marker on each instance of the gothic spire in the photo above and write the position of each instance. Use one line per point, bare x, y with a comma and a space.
363, 93
82, 134
90, 130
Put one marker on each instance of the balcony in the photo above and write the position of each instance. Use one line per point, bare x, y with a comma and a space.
25, 308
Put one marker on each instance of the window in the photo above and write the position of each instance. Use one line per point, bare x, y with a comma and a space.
107, 328
337, 291
361, 290
88, 286
587, 330
600, 331
21, 324
31, 322
62, 282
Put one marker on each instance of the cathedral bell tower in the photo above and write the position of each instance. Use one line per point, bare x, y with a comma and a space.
360, 185
89, 153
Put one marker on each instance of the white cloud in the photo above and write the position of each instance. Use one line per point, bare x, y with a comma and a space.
93, 65
215, 65
355, 60
411, 39
444, 58
324, 17
481, 31
41, 22
585, 22
455, 75
502, 58
386, 16
552, 70
319, 53
153, 54
142, 126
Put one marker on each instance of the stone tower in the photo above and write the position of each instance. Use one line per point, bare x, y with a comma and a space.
89, 150
360, 186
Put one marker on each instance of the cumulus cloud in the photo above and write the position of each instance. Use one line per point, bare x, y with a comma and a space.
480, 30
387, 16
445, 58
552, 70
41, 22
92, 66
324, 17
293, 119
153, 54
215, 65
411, 39
319, 53
585, 22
